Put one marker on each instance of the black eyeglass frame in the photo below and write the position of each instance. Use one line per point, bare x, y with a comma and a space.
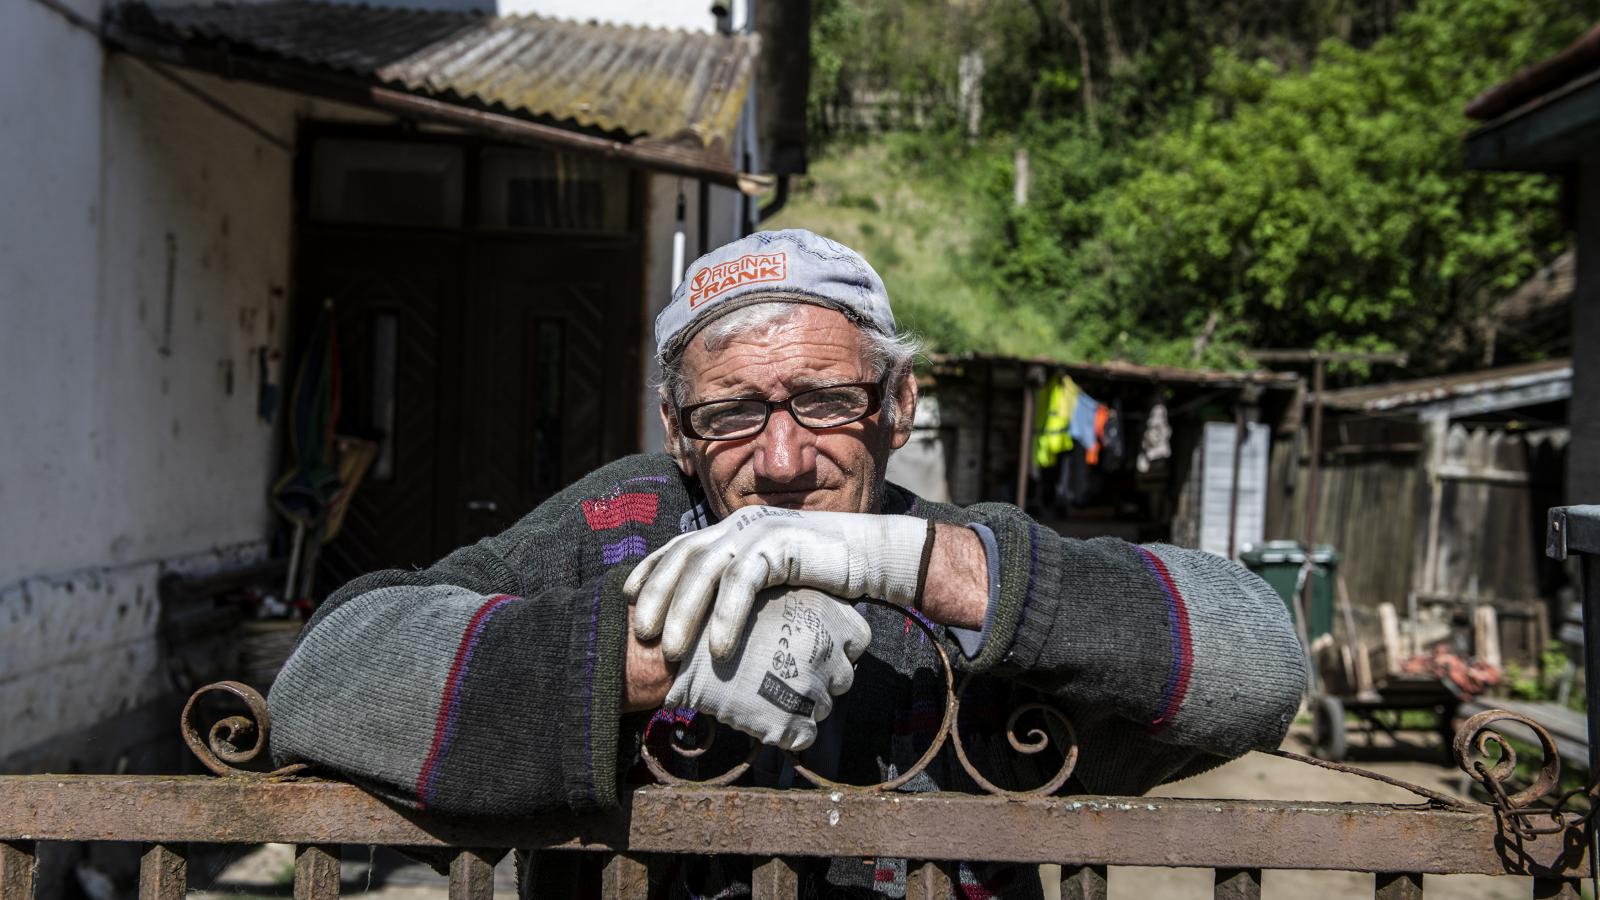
874, 391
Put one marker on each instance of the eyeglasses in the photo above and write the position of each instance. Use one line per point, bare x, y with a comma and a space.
734, 418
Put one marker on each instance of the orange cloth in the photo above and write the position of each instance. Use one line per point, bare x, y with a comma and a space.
1092, 455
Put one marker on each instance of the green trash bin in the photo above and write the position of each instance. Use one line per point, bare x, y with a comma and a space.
1278, 562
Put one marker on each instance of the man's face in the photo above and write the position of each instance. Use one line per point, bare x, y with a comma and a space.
837, 469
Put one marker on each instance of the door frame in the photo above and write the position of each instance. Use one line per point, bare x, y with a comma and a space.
304, 306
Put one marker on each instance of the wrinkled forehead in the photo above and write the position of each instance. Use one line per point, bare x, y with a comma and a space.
789, 349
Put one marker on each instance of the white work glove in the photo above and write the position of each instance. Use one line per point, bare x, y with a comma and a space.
848, 555
797, 651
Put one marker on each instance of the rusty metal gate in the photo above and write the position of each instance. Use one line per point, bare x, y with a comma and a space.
1527, 832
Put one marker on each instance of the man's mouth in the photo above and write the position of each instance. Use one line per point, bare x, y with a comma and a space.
788, 498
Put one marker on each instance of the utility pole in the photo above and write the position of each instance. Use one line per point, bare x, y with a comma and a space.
1318, 359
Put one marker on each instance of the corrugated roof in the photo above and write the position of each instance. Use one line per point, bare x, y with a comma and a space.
1423, 391
1118, 370
636, 82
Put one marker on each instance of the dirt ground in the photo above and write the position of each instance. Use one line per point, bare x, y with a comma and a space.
385, 875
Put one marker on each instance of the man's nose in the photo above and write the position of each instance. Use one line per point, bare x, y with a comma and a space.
786, 450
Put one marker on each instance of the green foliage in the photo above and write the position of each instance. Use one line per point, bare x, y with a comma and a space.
917, 230
1204, 180
1322, 208
1542, 684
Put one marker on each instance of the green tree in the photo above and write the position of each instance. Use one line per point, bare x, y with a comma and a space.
1326, 207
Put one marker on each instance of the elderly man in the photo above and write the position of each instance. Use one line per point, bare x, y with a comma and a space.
500, 680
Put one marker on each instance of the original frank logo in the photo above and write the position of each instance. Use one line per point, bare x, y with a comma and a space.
753, 268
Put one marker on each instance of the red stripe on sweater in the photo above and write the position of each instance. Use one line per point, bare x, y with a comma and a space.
610, 512
451, 693
1184, 648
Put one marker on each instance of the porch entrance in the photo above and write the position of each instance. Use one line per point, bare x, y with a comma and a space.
488, 306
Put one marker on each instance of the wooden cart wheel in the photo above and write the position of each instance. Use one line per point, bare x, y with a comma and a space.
1327, 727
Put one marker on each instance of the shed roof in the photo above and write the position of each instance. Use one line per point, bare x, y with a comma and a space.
1544, 117
1118, 370
677, 92
1486, 390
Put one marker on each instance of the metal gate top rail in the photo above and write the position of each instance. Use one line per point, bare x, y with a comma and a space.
938, 826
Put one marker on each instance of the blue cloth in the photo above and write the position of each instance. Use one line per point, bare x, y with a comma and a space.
1082, 427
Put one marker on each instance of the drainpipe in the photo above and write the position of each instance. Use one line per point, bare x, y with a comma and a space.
778, 200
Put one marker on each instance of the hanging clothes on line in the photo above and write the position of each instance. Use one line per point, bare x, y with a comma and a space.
1102, 416
1157, 442
1052, 420
1082, 428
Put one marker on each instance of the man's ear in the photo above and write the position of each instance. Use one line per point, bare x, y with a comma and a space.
905, 409
674, 439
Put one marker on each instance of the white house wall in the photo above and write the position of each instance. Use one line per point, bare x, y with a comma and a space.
144, 262
144, 258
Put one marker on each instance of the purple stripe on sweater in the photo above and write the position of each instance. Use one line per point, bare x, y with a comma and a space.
629, 547
445, 729
659, 479
1174, 628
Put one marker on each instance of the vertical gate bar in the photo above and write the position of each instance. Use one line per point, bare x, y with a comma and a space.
1237, 884
472, 875
16, 870
316, 871
1576, 529
774, 879
164, 872
625, 878
1083, 883
1591, 664
1557, 889
1399, 886
927, 880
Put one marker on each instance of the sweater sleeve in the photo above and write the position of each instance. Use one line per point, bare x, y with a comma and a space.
489, 683
1188, 648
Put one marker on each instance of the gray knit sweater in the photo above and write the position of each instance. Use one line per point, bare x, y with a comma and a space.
490, 683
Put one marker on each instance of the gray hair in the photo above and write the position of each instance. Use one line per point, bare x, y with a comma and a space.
884, 354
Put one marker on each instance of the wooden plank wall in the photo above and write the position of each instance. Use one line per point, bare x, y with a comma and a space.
1374, 508
1369, 508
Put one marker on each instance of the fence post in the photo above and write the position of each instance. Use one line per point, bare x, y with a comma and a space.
472, 875
928, 880
316, 871
1237, 884
1083, 883
16, 870
164, 872
1399, 886
774, 879
624, 878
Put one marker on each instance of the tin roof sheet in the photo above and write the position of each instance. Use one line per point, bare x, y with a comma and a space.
633, 81
1119, 370
1423, 391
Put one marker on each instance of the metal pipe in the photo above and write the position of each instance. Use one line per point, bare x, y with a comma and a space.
775, 205
1576, 529
1239, 434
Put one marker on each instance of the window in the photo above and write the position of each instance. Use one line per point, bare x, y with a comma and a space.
543, 190
387, 183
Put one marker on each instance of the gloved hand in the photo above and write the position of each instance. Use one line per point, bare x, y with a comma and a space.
848, 555
796, 652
